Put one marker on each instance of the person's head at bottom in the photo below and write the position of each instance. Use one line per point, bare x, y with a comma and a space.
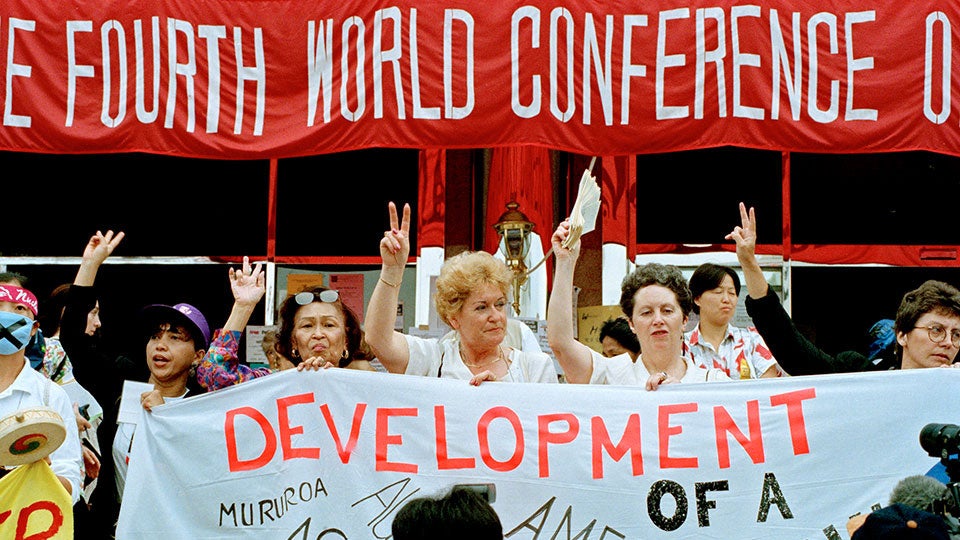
462, 513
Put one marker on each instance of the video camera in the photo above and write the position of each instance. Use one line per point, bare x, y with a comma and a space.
943, 441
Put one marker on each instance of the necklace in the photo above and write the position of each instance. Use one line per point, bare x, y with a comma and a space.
485, 364
672, 371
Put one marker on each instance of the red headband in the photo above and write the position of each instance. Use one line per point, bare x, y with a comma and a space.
18, 295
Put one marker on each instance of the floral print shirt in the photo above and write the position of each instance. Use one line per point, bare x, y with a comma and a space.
742, 354
221, 365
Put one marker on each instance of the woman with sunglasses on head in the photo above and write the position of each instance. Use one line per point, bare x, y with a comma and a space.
317, 331
221, 365
471, 298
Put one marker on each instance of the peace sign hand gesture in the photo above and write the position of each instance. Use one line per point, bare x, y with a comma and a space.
248, 285
395, 244
745, 235
100, 247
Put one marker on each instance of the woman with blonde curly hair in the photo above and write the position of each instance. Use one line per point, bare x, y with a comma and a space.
471, 298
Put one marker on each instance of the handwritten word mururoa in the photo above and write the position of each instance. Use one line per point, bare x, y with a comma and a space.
256, 513
549, 430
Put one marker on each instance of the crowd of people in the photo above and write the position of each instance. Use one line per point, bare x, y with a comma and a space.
648, 346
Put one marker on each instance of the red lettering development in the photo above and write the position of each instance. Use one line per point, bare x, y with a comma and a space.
560, 428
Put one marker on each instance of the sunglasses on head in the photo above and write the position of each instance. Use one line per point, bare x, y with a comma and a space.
308, 297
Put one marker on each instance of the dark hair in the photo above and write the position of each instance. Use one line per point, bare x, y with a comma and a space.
356, 345
14, 277
619, 329
153, 323
53, 307
935, 296
709, 276
462, 514
665, 275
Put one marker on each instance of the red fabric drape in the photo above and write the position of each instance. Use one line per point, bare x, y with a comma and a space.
520, 174
431, 211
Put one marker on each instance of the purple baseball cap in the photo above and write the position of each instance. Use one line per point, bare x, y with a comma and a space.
190, 316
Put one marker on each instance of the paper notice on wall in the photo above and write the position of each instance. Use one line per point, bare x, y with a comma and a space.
351, 291
303, 282
254, 350
589, 321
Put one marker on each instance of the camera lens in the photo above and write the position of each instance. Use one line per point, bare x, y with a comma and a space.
938, 439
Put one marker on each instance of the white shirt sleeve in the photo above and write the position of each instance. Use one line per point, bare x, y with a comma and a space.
425, 356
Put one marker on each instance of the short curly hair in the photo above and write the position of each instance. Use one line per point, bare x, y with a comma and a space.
665, 275
931, 296
462, 274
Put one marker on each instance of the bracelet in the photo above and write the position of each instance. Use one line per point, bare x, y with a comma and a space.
394, 285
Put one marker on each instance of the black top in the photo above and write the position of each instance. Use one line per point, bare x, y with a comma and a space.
796, 354
102, 374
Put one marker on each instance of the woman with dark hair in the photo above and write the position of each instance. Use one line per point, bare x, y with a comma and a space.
316, 331
616, 338
317, 328
715, 343
655, 299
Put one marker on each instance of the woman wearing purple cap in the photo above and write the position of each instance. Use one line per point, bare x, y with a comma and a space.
175, 340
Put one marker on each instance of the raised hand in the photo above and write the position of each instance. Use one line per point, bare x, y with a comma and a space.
745, 234
557, 239
101, 246
395, 245
96, 251
248, 285
82, 423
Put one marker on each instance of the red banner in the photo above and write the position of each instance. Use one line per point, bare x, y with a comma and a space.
281, 78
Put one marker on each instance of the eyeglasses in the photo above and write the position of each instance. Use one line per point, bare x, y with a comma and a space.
936, 333
308, 297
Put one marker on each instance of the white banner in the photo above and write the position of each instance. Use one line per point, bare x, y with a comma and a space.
334, 454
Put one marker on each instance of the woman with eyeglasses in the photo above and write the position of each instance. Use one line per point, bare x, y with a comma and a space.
471, 297
927, 325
